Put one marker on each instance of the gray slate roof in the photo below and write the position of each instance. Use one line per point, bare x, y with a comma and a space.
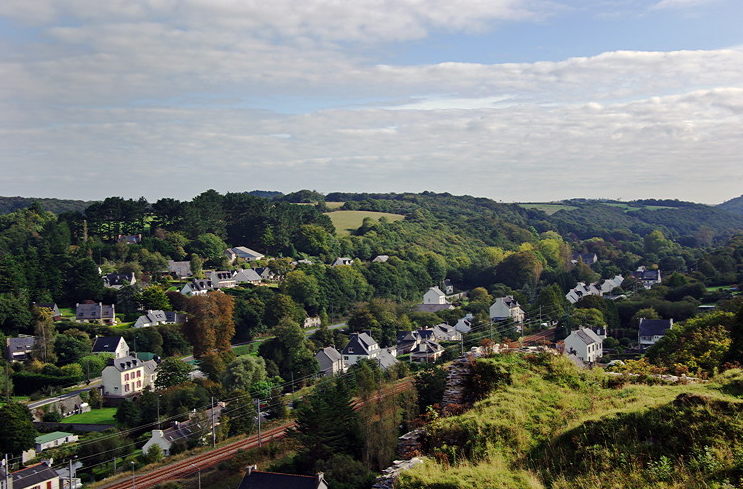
33, 476
655, 327
106, 344
273, 480
359, 344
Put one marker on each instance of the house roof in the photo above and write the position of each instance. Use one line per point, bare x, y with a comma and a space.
256, 479
126, 363
330, 352
246, 275
94, 310
21, 344
386, 358
586, 336
175, 317
118, 278
655, 327
56, 435
359, 344
106, 344
180, 268
433, 307
243, 251
33, 476
435, 290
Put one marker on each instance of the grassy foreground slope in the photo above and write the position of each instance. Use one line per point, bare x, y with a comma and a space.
546, 424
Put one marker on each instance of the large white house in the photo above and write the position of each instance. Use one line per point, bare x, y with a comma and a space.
506, 308
585, 344
434, 296
127, 377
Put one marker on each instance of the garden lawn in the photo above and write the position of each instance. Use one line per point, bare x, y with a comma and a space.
96, 416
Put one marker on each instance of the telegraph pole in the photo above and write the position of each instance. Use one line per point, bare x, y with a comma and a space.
259, 423
214, 435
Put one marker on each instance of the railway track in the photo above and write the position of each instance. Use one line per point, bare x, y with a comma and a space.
187, 467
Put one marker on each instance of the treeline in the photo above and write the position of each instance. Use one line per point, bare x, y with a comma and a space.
57, 206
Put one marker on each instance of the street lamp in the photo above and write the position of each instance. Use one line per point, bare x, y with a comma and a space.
134, 485
197, 468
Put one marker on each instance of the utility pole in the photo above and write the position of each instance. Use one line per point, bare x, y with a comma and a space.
69, 478
259, 423
7, 472
214, 434
197, 468
134, 484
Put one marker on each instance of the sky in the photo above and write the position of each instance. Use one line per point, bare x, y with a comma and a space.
515, 100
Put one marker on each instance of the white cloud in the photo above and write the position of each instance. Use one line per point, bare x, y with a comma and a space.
680, 4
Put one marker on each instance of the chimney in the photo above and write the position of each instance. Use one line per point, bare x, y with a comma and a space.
250, 469
319, 477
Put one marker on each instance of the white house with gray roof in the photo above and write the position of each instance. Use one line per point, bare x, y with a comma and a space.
585, 344
330, 361
506, 308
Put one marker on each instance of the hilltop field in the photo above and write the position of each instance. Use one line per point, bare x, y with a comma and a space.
346, 222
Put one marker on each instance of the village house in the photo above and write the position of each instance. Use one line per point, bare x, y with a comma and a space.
407, 341
184, 431
647, 277
427, 351
126, 378
363, 346
651, 330
330, 361
342, 261
181, 269
53, 440
242, 252
506, 308
197, 287
222, 279
464, 325
255, 479
311, 321
52, 308
39, 476
380, 259
129, 239
434, 301
95, 312
587, 258
115, 345
118, 280
246, 276
152, 318
585, 344
20, 349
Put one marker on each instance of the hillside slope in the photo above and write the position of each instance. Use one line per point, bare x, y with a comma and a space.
733, 205
546, 424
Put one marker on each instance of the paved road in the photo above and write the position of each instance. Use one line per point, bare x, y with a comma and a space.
59, 397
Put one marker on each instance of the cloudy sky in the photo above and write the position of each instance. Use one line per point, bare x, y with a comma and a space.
516, 100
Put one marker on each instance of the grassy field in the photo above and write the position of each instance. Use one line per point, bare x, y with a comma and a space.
632, 208
548, 209
347, 221
334, 205
546, 424
96, 416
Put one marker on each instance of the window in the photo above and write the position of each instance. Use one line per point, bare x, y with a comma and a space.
139, 383
126, 387
139, 373
126, 377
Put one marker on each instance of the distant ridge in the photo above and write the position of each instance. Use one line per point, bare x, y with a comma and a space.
57, 206
733, 205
